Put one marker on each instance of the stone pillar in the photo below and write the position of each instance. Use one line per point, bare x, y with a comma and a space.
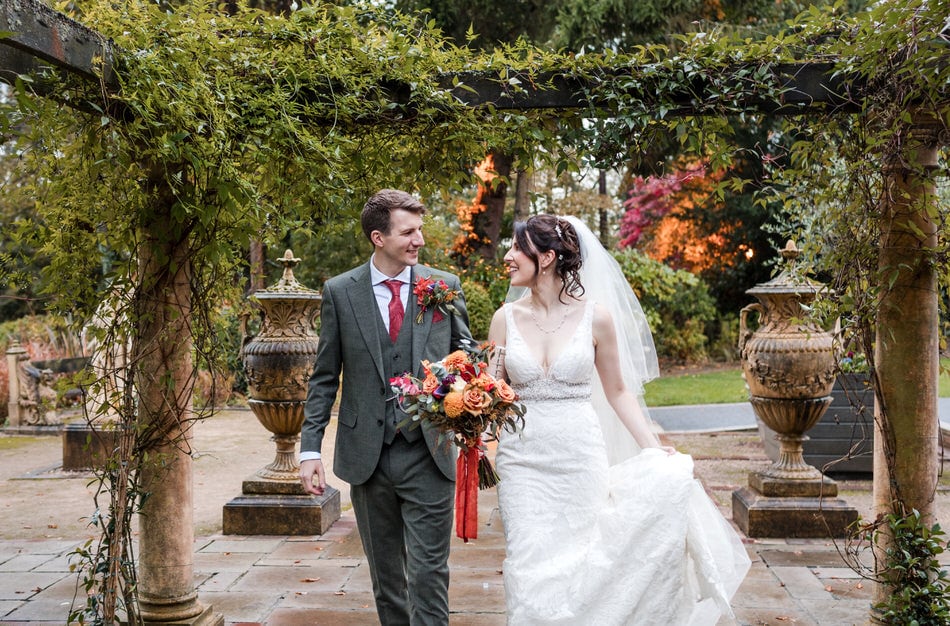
14, 354
164, 375
907, 340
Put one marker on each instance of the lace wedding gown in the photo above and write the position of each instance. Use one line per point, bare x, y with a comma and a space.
636, 543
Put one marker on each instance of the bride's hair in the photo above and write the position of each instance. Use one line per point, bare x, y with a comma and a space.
540, 233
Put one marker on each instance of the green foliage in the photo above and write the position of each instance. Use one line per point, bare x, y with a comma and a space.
918, 584
677, 305
480, 308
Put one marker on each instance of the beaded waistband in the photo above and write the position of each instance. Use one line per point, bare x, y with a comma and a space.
547, 389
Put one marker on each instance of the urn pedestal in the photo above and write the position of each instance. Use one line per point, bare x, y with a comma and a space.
789, 365
278, 362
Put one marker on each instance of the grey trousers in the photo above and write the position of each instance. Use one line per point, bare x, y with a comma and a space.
404, 513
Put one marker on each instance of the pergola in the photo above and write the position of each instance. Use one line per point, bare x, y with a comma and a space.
908, 319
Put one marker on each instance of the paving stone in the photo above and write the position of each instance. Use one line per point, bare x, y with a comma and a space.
837, 572
242, 545
310, 617
240, 607
226, 561
25, 585
25, 562
218, 581
800, 582
802, 558
776, 616
477, 597
477, 619
359, 601
325, 576
312, 549
760, 589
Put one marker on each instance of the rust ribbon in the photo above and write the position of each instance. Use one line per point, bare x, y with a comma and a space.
466, 493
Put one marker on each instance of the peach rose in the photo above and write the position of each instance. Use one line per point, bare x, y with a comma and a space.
475, 400
505, 393
430, 384
453, 404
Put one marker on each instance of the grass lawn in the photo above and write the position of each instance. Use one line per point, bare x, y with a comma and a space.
723, 385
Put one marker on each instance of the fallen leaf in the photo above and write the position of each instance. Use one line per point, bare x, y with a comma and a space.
859, 586
297, 561
309, 580
828, 588
339, 593
52, 526
782, 618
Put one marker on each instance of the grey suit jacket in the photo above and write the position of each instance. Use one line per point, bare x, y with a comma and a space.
350, 345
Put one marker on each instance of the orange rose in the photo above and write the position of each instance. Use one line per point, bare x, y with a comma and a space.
475, 400
426, 367
505, 393
453, 404
456, 360
430, 384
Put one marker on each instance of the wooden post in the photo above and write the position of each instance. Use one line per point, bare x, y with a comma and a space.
907, 342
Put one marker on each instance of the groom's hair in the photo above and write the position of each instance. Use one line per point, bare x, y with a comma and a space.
376, 211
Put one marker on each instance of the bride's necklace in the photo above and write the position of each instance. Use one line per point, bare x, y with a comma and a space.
542, 328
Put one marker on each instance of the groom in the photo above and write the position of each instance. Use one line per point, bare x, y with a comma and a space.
401, 480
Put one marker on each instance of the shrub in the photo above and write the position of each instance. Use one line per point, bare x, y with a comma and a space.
480, 308
677, 305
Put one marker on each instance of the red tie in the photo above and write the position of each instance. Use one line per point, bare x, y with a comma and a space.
396, 311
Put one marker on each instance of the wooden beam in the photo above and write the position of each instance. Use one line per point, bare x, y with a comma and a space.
39, 37
805, 87
35, 30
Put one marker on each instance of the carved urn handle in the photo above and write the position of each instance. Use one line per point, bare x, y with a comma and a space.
744, 333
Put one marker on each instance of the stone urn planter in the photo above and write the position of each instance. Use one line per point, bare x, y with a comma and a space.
841, 443
788, 363
278, 361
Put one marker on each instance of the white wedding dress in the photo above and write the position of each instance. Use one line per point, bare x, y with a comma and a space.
635, 543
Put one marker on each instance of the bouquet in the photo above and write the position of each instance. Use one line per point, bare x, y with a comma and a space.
460, 399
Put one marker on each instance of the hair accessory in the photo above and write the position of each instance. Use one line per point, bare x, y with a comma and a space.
557, 229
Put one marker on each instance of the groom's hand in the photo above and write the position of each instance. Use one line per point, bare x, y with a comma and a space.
313, 477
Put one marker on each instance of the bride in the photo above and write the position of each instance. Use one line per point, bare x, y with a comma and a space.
603, 524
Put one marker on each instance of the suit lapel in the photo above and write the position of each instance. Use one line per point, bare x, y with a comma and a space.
420, 332
363, 307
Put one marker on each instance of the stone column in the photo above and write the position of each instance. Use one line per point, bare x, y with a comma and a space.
14, 353
907, 343
164, 374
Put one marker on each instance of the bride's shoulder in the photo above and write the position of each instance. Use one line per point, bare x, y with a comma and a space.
603, 320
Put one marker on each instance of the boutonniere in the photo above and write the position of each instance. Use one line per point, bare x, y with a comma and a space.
435, 293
